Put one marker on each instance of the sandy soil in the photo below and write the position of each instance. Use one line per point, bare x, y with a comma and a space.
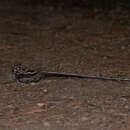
64, 40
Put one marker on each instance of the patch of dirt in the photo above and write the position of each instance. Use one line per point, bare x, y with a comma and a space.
53, 39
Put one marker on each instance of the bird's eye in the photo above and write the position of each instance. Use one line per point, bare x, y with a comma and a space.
17, 68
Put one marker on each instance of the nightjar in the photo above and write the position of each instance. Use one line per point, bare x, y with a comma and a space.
24, 75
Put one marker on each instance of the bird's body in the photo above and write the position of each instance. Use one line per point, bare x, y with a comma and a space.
24, 75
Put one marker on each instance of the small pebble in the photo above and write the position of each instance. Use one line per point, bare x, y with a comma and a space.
47, 124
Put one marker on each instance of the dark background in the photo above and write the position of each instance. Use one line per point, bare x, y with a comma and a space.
103, 4
84, 37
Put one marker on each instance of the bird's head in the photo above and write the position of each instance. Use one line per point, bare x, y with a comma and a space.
18, 68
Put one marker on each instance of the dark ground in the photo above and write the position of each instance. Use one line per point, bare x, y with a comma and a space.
74, 41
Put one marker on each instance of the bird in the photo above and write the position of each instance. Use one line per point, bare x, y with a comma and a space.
22, 74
